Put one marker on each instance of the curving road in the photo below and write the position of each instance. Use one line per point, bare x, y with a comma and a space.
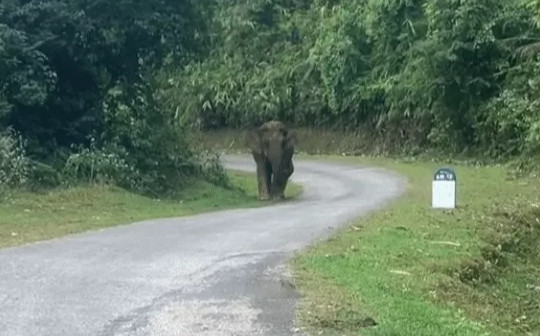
214, 274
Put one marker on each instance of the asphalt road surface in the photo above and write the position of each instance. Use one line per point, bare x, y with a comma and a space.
217, 274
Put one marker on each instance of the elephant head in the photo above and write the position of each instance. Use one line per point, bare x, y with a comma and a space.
272, 146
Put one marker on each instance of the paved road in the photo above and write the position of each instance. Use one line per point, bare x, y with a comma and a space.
215, 274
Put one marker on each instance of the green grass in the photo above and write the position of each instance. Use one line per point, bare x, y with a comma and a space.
419, 271
29, 217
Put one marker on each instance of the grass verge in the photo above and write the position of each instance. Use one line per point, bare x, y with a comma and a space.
411, 270
29, 217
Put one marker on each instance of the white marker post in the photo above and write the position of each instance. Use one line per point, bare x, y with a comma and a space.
444, 189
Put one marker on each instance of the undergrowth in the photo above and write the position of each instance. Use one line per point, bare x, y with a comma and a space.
504, 279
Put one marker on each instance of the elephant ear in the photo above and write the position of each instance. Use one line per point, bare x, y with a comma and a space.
252, 139
291, 139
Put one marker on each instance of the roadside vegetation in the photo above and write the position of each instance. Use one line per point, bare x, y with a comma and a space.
78, 99
86, 92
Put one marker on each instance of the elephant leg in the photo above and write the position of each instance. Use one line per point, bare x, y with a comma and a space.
280, 182
283, 188
262, 178
288, 170
277, 188
274, 186
269, 178
278, 193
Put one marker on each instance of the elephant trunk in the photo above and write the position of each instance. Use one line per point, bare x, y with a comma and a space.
282, 171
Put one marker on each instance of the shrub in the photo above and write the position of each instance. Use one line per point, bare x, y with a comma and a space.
43, 175
149, 138
212, 169
93, 165
14, 165
508, 125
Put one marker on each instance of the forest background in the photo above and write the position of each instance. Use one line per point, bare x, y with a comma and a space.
113, 90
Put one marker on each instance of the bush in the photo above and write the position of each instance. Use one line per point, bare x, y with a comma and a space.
92, 165
212, 169
43, 175
14, 165
148, 137
508, 125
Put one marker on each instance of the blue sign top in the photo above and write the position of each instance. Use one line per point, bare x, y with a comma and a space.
444, 174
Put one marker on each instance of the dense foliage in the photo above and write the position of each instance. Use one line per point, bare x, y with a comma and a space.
107, 90
76, 82
428, 74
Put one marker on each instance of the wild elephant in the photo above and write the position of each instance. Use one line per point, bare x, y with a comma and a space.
272, 146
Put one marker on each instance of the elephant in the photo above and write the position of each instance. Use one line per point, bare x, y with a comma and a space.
272, 146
